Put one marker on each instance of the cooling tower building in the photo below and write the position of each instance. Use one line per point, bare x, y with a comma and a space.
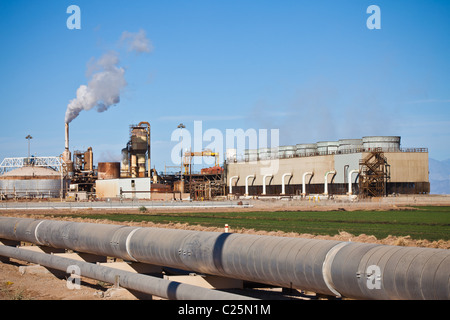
371, 166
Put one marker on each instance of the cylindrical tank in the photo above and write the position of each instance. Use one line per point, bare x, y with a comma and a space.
108, 170
274, 153
231, 155
125, 165
386, 143
299, 150
89, 160
332, 147
251, 155
32, 181
345, 145
322, 147
264, 153
306, 149
141, 164
281, 152
289, 151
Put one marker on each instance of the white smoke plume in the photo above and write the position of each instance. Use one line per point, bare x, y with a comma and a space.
103, 90
106, 78
137, 42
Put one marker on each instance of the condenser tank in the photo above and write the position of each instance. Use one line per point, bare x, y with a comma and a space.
108, 170
264, 153
386, 143
251, 154
349, 145
305, 149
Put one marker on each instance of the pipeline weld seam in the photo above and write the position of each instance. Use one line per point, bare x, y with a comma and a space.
326, 267
127, 243
36, 233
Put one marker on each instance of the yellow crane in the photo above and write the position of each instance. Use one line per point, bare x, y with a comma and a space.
188, 155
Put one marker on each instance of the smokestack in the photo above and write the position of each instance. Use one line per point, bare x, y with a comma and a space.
66, 154
67, 137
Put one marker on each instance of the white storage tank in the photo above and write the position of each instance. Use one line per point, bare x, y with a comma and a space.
289, 151
274, 153
264, 153
349, 145
231, 155
322, 147
305, 149
281, 152
251, 154
332, 147
31, 181
386, 143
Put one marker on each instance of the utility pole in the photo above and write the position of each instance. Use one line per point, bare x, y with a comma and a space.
28, 137
181, 127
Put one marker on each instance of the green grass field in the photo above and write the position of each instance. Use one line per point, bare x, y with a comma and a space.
431, 223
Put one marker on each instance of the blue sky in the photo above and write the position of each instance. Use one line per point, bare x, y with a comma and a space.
312, 69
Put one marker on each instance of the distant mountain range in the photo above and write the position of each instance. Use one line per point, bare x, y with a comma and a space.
439, 176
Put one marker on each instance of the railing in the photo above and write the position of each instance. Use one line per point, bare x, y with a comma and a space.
55, 163
255, 157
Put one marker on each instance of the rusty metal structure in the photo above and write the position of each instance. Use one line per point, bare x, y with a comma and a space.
84, 173
374, 174
108, 170
207, 184
207, 188
136, 156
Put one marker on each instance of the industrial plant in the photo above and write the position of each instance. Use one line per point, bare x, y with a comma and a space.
372, 166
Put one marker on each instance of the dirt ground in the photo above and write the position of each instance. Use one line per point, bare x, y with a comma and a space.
45, 286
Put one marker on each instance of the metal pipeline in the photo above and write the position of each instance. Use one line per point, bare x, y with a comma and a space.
264, 182
326, 181
142, 283
246, 182
336, 268
231, 186
350, 181
283, 190
304, 181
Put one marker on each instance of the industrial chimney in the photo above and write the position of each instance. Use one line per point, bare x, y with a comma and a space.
67, 157
67, 137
